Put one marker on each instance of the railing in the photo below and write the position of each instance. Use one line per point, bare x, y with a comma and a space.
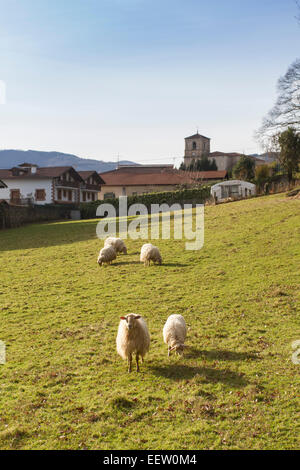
66, 184
92, 187
27, 201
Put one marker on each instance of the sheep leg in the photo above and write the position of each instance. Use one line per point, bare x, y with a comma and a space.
137, 363
169, 351
129, 362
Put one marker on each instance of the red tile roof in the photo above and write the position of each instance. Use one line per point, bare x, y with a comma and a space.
121, 177
234, 154
46, 172
224, 154
207, 175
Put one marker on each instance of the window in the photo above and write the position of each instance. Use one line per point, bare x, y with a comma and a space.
84, 196
64, 193
93, 196
194, 145
69, 195
109, 195
40, 195
124, 191
59, 194
230, 191
15, 195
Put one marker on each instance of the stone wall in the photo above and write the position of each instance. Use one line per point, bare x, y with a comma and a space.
14, 216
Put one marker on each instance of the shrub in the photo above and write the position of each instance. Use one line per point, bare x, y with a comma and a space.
244, 169
182, 196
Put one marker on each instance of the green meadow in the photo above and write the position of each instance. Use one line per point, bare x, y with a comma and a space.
63, 385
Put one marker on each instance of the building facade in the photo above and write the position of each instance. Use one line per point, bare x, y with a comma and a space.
144, 179
30, 184
91, 186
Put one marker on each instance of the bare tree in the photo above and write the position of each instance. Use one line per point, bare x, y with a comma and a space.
286, 112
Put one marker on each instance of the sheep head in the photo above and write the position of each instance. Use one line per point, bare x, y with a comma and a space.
130, 320
178, 348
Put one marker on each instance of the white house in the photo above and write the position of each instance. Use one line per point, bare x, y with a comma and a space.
232, 188
28, 183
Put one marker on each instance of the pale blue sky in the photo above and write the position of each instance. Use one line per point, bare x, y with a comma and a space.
134, 77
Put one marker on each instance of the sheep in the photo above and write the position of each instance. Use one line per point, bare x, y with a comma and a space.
174, 333
133, 337
150, 253
106, 255
117, 244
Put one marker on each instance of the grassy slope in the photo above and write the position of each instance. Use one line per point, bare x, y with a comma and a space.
64, 386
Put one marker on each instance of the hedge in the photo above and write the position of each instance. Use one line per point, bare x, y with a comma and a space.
182, 196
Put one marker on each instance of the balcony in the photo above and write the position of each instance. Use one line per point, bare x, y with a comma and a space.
26, 201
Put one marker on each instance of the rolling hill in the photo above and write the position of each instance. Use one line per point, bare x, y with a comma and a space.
63, 386
10, 158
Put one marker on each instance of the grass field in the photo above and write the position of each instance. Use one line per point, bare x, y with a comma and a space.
64, 387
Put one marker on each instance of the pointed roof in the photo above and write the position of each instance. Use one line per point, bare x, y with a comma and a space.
197, 136
41, 172
88, 173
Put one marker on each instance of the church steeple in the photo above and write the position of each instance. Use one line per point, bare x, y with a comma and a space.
196, 146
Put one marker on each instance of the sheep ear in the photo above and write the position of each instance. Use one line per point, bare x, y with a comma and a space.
137, 317
122, 318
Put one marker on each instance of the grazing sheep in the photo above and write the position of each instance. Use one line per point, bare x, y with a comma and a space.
174, 333
150, 253
117, 244
133, 337
106, 255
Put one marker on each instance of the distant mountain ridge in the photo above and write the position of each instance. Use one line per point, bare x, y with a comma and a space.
10, 158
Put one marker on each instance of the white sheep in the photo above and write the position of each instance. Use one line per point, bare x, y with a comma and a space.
174, 333
106, 255
133, 337
117, 244
150, 253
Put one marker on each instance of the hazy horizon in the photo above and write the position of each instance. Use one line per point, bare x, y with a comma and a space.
98, 78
